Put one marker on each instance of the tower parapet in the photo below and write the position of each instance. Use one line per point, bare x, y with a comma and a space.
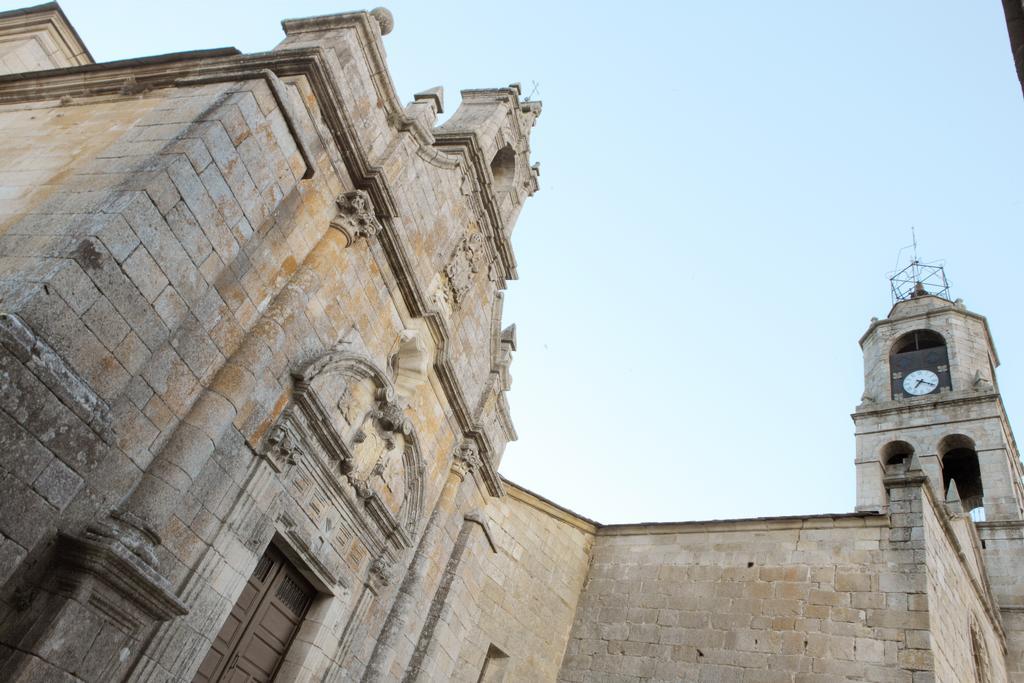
495, 125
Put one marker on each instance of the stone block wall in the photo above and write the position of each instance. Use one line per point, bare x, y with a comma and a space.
790, 599
1002, 549
176, 253
967, 632
124, 272
518, 599
165, 234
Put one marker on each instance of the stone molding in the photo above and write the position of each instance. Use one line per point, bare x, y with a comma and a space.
958, 397
503, 344
103, 573
844, 520
478, 517
50, 19
369, 27
298, 542
551, 509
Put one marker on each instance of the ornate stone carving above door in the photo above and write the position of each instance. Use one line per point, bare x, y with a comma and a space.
348, 429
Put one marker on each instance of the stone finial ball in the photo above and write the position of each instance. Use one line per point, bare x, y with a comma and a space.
384, 18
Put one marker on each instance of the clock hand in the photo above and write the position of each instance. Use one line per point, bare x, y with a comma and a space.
919, 383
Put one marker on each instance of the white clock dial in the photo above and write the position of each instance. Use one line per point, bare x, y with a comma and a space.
920, 382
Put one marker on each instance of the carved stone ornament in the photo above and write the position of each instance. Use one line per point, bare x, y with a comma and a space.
392, 416
347, 422
355, 217
469, 258
385, 20
362, 489
467, 457
381, 570
281, 449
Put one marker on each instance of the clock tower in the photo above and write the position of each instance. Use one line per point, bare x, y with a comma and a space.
931, 394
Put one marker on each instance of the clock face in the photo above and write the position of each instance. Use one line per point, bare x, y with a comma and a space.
921, 382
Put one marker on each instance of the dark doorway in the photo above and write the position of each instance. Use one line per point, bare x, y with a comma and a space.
253, 641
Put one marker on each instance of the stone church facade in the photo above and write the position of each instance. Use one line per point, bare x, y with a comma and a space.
252, 411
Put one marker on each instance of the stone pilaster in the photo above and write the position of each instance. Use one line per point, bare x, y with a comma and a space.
403, 611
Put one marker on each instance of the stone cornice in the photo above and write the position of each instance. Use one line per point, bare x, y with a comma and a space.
505, 417
542, 504
844, 520
1014, 12
1001, 524
109, 78
489, 475
50, 16
126, 590
927, 403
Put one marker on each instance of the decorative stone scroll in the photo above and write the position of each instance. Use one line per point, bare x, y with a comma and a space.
355, 217
468, 259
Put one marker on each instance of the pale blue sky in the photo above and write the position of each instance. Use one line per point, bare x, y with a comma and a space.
724, 187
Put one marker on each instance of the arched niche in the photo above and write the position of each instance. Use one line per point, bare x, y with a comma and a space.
960, 464
896, 456
410, 363
503, 168
919, 364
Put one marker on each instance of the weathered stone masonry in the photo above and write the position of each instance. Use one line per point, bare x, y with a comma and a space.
252, 410
250, 299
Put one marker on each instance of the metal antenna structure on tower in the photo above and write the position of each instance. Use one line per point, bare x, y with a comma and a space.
917, 278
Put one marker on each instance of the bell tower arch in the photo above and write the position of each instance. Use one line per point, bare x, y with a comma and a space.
930, 394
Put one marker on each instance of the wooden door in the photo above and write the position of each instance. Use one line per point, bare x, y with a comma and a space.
254, 638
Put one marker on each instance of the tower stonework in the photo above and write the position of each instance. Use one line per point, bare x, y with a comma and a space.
961, 419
